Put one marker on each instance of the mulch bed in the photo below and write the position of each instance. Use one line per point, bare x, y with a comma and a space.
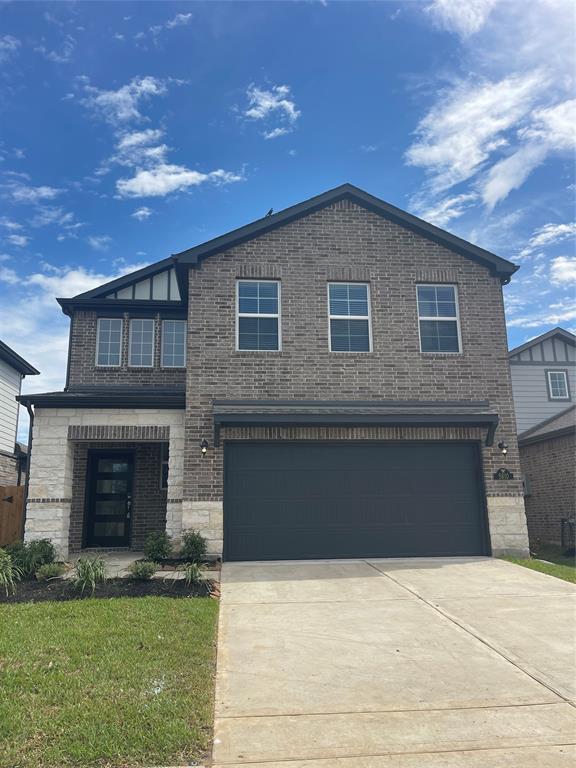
61, 589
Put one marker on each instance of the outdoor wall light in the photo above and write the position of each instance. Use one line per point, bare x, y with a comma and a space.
204, 447
504, 448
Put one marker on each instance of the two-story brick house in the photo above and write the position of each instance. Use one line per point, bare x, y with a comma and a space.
328, 381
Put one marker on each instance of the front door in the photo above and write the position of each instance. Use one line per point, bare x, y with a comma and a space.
109, 498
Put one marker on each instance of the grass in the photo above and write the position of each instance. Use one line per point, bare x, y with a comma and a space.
109, 683
558, 564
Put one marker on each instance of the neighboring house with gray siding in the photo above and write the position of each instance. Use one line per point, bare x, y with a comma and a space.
328, 381
13, 369
543, 377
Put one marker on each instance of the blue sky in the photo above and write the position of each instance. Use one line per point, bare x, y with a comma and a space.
130, 131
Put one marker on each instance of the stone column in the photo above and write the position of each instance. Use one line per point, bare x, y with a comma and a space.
508, 528
175, 483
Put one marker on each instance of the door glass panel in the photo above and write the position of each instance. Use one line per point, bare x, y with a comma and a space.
111, 465
109, 529
110, 507
112, 485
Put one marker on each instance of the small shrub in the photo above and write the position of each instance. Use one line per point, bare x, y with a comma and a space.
143, 570
10, 573
157, 546
30, 556
50, 571
193, 575
193, 548
90, 571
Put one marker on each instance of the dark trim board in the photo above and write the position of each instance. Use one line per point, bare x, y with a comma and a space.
118, 307
562, 432
360, 510
15, 361
107, 399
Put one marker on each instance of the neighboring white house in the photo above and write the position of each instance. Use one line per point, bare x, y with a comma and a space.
543, 377
13, 368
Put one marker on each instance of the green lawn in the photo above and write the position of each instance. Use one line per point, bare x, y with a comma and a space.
115, 683
558, 564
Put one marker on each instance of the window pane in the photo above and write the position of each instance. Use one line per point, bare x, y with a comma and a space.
141, 343
255, 333
558, 384
436, 301
348, 299
173, 343
111, 465
111, 485
109, 340
350, 336
439, 336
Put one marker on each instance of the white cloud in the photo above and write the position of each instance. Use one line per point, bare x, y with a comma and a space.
544, 318
563, 270
180, 20
165, 178
442, 212
465, 17
269, 105
122, 106
8, 276
47, 215
549, 234
21, 241
139, 138
62, 56
511, 173
555, 126
9, 224
99, 242
142, 213
9, 45
22, 193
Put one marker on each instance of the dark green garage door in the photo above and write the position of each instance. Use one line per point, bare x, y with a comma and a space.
290, 501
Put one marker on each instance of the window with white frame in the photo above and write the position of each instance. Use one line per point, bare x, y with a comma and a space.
258, 310
349, 317
141, 354
109, 341
438, 318
558, 385
173, 343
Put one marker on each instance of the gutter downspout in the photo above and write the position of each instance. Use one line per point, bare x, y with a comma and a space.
27, 483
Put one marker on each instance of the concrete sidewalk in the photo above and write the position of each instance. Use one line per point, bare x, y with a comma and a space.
437, 663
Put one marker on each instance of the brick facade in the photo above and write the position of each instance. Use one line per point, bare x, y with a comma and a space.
148, 501
83, 370
548, 466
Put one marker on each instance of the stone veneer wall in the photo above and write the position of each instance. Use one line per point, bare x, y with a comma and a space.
548, 466
8, 469
148, 499
345, 242
52, 466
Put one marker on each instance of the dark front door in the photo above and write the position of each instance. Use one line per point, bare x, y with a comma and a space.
109, 498
325, 500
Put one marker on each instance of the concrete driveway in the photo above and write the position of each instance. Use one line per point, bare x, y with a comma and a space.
443, 663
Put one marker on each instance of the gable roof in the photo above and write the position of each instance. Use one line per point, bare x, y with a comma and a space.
560, 333
563, 423
191, 256
15, 361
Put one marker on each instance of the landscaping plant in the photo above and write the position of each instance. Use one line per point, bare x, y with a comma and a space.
50, 571
143, 570
193, 575
10, 573
193, 548
30, 556
157, 546
90, 571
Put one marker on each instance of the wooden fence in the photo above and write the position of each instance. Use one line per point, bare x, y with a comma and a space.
11, 513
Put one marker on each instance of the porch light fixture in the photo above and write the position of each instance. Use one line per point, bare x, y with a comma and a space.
503, 447
204, 447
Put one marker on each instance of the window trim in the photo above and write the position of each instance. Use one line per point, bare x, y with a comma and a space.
143, 320
109, 365
277, 316
555, 398
350, 317
460, 350
172, 320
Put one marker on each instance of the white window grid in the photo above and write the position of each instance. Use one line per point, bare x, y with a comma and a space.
441, 318
277, 315
350, 317
109, 330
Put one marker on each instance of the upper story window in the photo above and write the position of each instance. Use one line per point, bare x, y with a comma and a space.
438, 318
109, 341
558, 385
141, 349
173, 343
349, 315
258, 322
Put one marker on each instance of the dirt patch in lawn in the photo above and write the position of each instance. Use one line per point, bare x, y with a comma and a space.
62, 589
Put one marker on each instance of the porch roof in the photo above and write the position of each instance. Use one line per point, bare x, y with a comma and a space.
109, 397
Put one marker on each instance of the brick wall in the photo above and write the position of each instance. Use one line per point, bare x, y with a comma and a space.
85, 372
148, 502
548, 466
343, 242
8, 470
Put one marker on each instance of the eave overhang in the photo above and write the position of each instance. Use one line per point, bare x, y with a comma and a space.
114, 398
351, 413
15, 361
113, 307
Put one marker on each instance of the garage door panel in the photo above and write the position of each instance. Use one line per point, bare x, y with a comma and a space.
322, 500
